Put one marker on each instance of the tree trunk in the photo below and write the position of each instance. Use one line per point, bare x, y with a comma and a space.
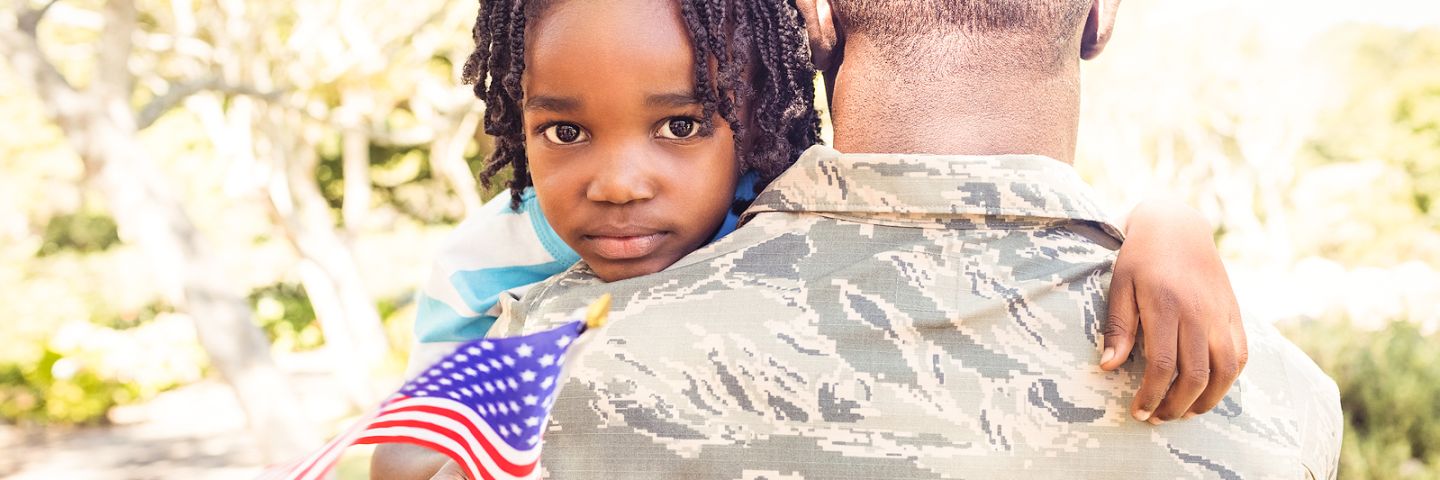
101, 126
309, 226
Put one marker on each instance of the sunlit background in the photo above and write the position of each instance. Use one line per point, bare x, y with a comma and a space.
272, 177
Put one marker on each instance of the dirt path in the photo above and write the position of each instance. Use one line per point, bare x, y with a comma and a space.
196, 432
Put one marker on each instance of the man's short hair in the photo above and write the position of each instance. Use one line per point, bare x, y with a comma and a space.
1033, 29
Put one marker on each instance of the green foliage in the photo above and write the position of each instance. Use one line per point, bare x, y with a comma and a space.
283, 312
1389, 382
83, 232
58, 390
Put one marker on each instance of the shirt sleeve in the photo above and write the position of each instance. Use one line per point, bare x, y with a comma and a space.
495, 251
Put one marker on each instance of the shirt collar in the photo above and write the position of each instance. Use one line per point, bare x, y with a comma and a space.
824, 180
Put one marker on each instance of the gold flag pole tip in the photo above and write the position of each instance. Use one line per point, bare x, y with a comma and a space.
598, 313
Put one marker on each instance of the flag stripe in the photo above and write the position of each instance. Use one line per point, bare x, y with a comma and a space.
433, 441
478, 428
461, 413
454, 429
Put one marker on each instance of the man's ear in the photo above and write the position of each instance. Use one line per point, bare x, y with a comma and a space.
822, 26
1098, 27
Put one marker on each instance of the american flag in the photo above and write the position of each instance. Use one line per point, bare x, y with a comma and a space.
484, 406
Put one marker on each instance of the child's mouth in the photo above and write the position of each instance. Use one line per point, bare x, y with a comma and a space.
624, 247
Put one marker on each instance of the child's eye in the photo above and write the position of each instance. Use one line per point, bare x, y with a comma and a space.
565, 134
679, 128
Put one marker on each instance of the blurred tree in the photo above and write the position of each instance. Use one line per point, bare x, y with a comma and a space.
102, 126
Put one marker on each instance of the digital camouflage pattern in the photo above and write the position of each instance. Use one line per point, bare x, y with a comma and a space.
892, 316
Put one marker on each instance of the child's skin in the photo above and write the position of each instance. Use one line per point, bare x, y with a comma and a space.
622, 174
617, 159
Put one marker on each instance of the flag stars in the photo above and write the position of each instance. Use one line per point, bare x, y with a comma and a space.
508, 360
532, 422
563, 342
527, 376
524, 351
472, 351
547, 360
531, 400
487, 345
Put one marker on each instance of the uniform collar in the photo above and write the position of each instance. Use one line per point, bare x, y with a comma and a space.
927, 187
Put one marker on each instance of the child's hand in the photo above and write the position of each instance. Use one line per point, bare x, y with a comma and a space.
451, 471
1170, 284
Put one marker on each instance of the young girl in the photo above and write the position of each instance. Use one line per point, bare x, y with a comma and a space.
636, 129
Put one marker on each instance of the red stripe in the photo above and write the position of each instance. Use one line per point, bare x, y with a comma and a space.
458, 438
490, 450
454, 456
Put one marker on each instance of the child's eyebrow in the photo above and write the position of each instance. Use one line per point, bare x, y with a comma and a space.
554, 104
672, 100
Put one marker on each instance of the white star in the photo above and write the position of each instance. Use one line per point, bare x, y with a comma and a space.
500, 385
422, 379
445, 381
432, 388
471, 372
487, 345
531, 400
528, 375
534, 440
532, 421
495, 364
515, 429
547, 382
433, 372
512, 383
422, 393
472, 351
447, 365
492, 408
523, 351
457, 376
562, 341
514, 407
483, 368
454, 395
508, 361
547, 360
467, 393
460, 357
505, 409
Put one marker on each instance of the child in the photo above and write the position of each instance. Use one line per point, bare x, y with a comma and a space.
635, 166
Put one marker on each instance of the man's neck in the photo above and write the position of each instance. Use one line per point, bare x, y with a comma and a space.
971, 110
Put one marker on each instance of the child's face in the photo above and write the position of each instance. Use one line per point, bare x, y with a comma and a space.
612, 135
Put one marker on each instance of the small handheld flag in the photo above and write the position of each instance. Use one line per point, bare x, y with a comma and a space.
484, 406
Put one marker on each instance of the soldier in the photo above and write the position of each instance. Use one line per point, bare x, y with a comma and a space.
927, 305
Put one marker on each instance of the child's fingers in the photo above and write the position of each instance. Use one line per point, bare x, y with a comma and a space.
1192, 374
1120, 322
1224, 368
1160, 315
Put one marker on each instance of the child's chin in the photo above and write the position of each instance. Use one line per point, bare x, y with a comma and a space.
611, 272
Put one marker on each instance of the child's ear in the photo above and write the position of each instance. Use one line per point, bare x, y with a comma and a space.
826, 37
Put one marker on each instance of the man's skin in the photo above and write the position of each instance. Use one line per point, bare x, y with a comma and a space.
974, 105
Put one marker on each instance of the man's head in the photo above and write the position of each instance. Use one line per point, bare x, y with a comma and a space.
967, 77
1031, 34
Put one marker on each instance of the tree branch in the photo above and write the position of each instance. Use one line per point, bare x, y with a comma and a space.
20, 45
178, 92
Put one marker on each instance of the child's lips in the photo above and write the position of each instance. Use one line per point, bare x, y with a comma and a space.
624, 247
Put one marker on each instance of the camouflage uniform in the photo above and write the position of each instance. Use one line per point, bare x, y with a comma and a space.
892, 316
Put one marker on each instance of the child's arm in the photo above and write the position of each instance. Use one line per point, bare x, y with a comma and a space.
496, 251
1170, 285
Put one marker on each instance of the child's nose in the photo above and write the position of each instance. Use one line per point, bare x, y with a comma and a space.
621, 178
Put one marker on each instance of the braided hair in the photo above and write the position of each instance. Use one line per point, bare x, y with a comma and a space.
748, 53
